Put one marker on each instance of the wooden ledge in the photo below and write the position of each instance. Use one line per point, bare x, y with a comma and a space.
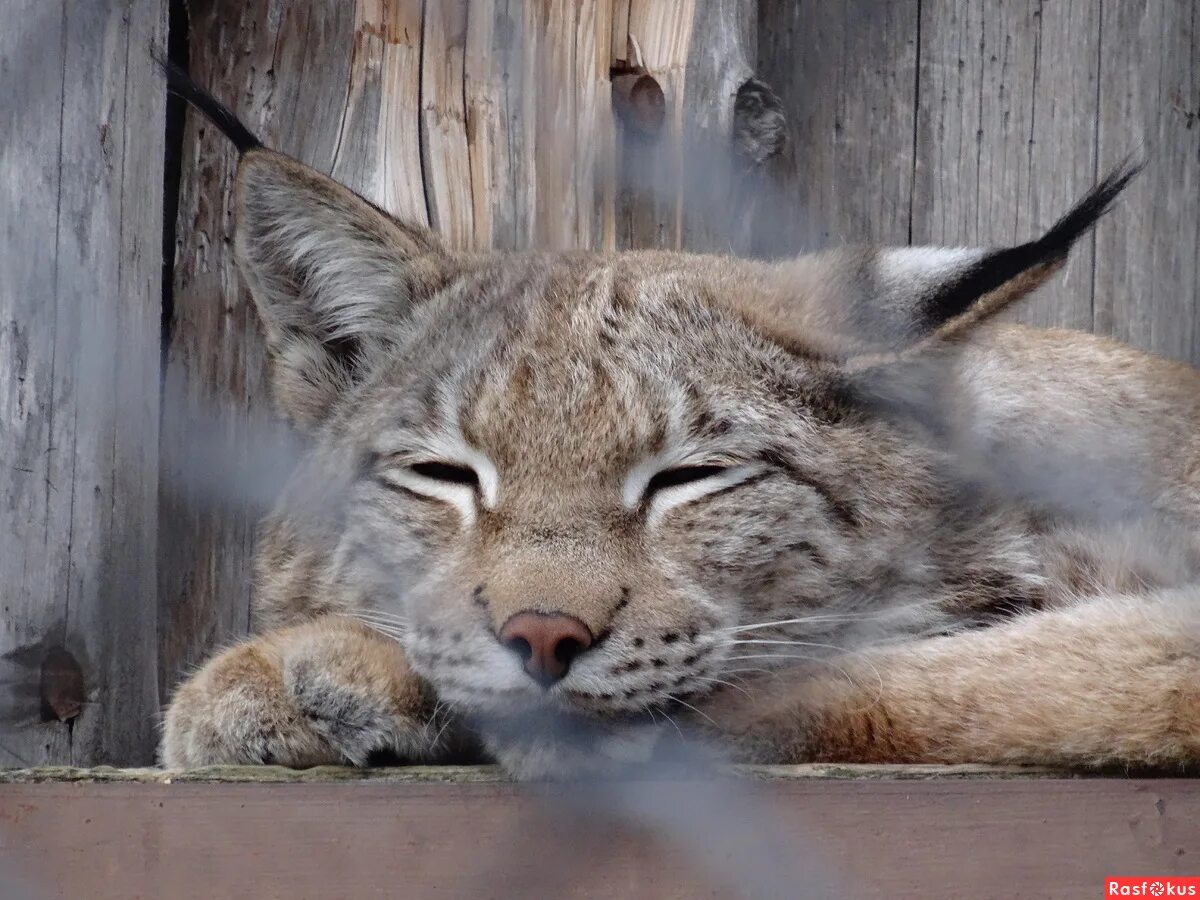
493, 775
464, 832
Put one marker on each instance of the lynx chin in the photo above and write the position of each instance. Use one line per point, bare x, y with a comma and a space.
821, 509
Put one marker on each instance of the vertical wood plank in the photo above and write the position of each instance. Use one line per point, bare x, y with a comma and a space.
567, 80
499, 84
722, 57
846, 73
1006, 133
80, 303
286, 70
445, 156
1148, 252
379, 143
651, 168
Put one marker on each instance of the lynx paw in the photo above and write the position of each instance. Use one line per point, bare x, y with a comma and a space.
327, 693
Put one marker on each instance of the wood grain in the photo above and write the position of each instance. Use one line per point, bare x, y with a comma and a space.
1147, 278
80, 292
651, 167
790, 838
1006, 127
846, 72
722, 57
445, 156
286, 71
944, 122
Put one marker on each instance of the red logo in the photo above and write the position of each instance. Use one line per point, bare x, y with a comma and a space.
1152, 886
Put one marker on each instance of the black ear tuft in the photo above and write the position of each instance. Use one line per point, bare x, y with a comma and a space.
181, 84
956, 295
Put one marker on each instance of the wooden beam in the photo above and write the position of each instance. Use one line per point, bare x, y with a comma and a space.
81, 185
781, 833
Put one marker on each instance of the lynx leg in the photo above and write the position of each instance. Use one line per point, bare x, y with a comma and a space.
328, 692
1103, 682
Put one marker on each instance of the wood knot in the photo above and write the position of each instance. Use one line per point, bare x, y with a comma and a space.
62, 689
639, 100
759, 126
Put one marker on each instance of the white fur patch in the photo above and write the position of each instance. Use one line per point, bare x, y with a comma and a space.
448, 446
909, 271
460, 496
668, 498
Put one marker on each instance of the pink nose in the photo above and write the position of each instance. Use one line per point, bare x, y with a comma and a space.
547, 643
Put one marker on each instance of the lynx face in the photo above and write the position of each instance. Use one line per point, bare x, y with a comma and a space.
568, 483
599, 445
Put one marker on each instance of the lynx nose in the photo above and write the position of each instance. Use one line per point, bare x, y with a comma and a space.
546, 643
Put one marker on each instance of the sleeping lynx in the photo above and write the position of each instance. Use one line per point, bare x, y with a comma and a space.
818, 509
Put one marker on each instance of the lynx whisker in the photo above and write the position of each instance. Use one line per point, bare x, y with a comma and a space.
723, 682
671, 719
388, 631
803, 620
698, 712
794, 644
809, 658
446, 724
379, 616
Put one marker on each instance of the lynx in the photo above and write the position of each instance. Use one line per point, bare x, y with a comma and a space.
817, 509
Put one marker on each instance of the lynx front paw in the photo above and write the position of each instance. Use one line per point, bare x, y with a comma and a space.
330, 692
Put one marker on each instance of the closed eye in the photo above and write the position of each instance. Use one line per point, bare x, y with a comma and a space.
447, 473
669, 478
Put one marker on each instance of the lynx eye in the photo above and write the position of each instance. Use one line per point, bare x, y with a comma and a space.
447, 473
669, 478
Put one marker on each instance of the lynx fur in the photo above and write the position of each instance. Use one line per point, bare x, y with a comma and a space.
819, 509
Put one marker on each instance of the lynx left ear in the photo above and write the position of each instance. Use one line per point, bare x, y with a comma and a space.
948, 291
329, 273
854, 302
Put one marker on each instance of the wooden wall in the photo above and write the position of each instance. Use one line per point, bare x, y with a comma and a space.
959, 121
81, 180
978, 121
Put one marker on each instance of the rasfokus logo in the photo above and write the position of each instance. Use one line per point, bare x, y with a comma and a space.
1152, 886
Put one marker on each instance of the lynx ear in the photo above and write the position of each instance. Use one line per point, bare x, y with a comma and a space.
329, 273
863, 301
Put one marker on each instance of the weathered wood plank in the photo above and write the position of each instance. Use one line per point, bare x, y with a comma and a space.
445, 156
80, 301
781, 838
379, 143
492, 774
567, 133
1148, 252
651, 166
846, 73
286, 70
722, 57
1005, 138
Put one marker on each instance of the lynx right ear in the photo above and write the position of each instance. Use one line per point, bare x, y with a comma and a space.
330, 274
